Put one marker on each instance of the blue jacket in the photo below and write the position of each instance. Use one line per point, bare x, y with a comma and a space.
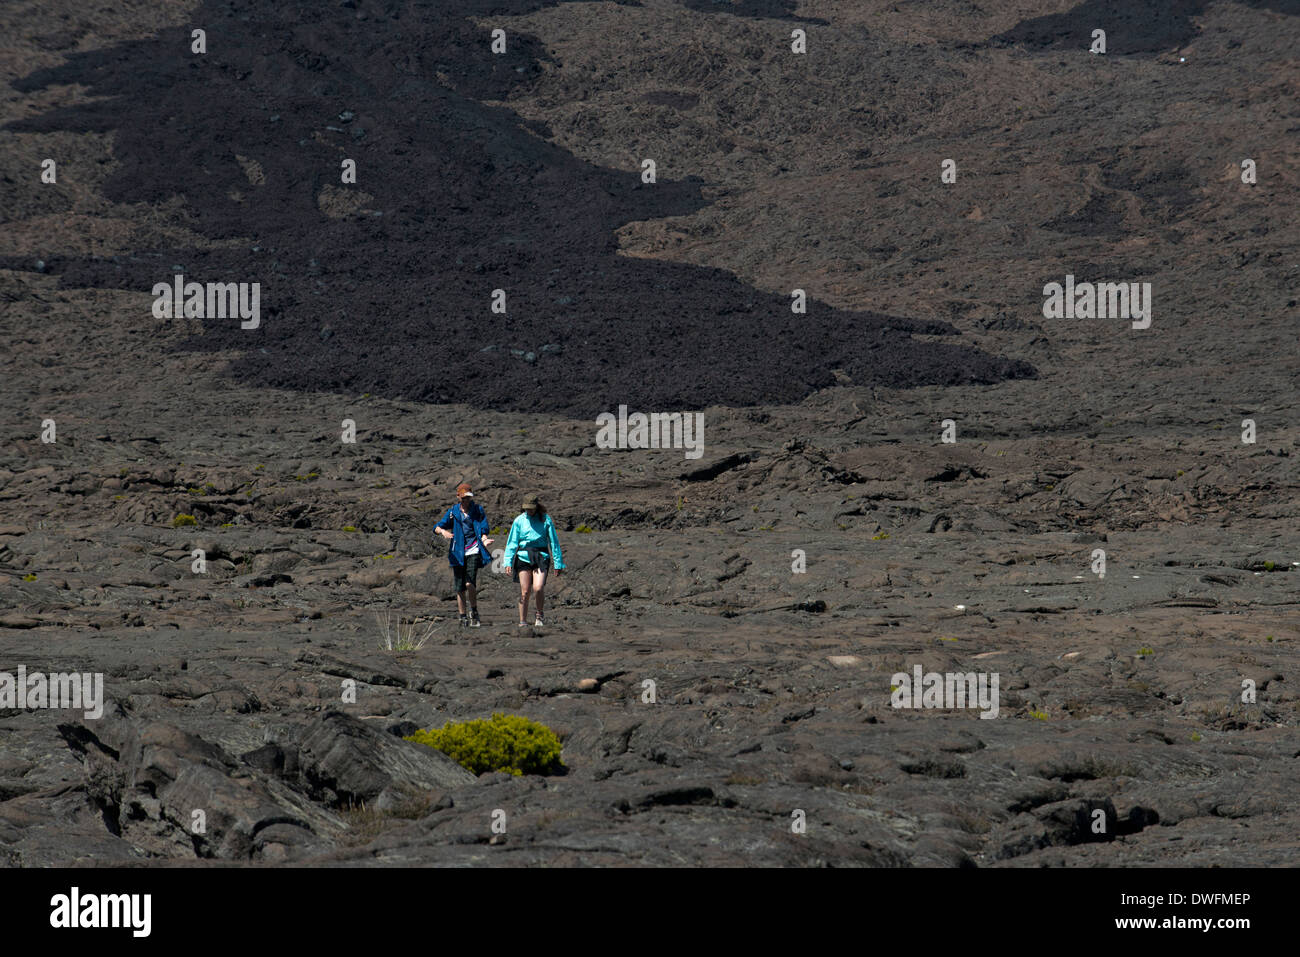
463, 533
528, 532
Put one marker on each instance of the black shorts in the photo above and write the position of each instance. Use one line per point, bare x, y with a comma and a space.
540, 565
467, 574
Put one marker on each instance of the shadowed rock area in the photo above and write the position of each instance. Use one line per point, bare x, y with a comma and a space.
1138, 26
385, 286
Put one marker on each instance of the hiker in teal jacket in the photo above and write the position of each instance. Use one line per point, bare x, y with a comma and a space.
531, 551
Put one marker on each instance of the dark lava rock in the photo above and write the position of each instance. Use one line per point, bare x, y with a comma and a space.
456, 182
342, 760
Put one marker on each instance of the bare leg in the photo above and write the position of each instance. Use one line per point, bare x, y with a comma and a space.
460, 602
539, 582
525, 585
471, 592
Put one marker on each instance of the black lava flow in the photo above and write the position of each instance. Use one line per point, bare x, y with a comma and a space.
465, 198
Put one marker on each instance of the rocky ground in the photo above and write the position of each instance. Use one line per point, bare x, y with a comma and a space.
772, 688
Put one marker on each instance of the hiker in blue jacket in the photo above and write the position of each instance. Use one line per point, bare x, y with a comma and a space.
531, 551
465, 525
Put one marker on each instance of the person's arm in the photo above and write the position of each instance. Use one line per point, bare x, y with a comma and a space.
555, 545
484, 526
442, 527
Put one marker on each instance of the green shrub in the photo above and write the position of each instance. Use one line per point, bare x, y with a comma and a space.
503, 743
584, 529
182, 520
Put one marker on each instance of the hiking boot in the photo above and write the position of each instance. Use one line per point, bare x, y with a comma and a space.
473, 619
463, 621
537, 623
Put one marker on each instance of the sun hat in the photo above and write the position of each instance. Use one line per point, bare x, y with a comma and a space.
463, 490
530, 501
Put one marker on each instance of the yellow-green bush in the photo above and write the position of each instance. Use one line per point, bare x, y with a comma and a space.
182, 520
503, 743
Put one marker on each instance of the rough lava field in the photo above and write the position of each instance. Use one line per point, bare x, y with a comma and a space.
775, 171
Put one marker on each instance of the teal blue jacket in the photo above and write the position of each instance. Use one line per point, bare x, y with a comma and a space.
528, 532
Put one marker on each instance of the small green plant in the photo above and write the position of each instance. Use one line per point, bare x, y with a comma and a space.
880, 537
1268, 637
227, 524
118, 498
498, 530
1268, 566
402, 636
1196, 736
182, 521
1039, 715
679, 503
584, 529
349, 528
509, 743
29, 577
1146, 651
